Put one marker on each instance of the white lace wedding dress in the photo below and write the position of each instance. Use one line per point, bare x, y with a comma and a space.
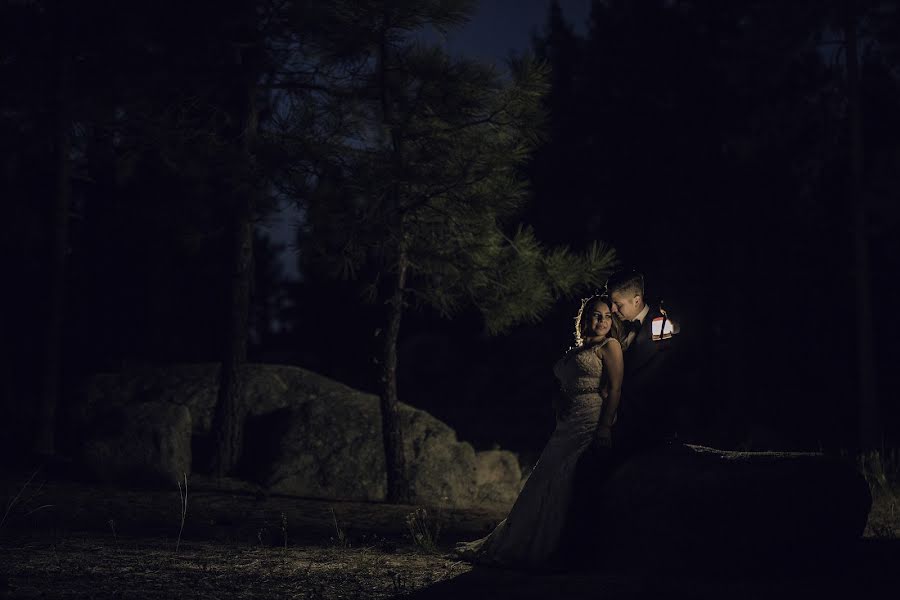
530, 534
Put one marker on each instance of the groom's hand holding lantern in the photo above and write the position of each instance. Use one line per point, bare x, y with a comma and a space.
662, 328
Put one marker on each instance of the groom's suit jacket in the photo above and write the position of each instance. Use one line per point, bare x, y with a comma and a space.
646, 414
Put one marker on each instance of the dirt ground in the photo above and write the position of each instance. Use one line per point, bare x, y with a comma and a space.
92, 566
63, 539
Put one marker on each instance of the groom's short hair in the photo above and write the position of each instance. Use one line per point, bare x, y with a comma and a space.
631, 282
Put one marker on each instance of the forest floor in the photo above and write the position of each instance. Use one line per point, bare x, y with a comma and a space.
64, 539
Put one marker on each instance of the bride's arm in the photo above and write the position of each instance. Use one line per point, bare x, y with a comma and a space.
614, 363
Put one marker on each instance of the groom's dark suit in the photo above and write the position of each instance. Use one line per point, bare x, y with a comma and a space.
646, 415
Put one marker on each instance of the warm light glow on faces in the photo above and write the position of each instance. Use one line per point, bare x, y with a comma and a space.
598, 320
627, 306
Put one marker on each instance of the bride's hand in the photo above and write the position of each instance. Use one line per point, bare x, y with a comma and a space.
603, 437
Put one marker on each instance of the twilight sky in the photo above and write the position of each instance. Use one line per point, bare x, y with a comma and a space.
499, 26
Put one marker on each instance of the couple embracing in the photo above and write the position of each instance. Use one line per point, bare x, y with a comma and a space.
613, 406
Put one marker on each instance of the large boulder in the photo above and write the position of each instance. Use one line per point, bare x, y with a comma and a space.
690, 502
498, 477
148, 442
334, 450
308, 435
267, 388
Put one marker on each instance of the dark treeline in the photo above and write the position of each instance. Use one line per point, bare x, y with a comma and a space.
710, 143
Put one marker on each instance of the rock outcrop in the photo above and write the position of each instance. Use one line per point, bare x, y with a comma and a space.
308, 435
691, 503
499, 477
149, 442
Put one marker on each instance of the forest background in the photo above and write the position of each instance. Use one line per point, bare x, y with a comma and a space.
744, 155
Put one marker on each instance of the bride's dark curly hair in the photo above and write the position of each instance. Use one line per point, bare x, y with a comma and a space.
615, 330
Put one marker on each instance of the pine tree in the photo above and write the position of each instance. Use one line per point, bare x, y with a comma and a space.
426, 197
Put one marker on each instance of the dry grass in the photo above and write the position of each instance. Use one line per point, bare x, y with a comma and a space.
884, 518
882, 472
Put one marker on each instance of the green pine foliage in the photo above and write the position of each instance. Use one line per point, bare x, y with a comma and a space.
440, 181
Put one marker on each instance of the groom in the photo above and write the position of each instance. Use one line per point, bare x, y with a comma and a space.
646, 415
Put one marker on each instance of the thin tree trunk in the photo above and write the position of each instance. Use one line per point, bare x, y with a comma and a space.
229, 414
391, 426
869, 424
45, 438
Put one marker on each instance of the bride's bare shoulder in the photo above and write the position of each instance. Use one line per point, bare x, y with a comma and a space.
609, 346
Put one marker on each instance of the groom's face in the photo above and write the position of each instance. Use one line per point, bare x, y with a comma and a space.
626, 305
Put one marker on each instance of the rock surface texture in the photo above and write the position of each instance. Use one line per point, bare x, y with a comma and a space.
310, 436
149, 442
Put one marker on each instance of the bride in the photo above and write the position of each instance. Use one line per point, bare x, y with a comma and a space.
590, 375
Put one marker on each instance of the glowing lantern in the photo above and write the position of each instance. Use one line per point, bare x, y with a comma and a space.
662, 327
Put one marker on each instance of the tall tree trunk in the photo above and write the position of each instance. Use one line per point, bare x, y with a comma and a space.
869, 422
230, 412
45, 438
391, 427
